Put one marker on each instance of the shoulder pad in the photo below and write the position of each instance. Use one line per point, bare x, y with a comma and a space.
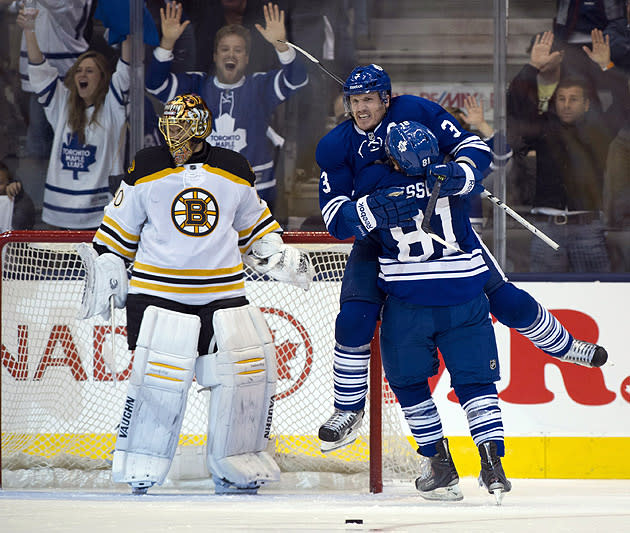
148, 161
232, 162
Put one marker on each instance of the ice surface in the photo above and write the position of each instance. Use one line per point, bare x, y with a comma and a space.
533, 505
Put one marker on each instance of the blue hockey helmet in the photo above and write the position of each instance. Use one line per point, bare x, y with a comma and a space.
367, 79
413, 146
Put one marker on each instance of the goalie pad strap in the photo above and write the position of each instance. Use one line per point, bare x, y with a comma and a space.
162, 372
242, 377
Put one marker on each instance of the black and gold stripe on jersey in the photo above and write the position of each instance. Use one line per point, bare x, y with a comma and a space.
187, 281
265, 224
117, 240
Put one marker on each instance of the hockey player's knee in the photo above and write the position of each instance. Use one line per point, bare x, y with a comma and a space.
513, 307
356, 323
242, 372
413, 394
156, 396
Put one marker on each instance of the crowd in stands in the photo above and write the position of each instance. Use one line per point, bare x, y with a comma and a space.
65, 81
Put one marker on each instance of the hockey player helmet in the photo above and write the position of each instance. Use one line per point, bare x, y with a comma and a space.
367, 79
185, 119
412, 146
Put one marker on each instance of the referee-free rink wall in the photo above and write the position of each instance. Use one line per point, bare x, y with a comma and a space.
561, 420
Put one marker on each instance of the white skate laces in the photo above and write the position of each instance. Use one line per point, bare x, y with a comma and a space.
586, 354
340, 429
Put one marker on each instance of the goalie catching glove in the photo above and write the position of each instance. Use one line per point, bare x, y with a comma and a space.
270, 256
105, 278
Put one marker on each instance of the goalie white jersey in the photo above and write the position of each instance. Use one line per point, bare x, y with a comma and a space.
185, 227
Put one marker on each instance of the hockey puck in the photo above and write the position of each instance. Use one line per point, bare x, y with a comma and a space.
354, 521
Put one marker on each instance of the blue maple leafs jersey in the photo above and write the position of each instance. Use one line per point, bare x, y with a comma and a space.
241, 112
415, 268
346, 150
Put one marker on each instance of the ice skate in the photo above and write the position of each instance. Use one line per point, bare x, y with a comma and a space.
586, 354
441, 482
340, 429
492, 476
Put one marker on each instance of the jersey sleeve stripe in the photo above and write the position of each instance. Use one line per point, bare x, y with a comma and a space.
118, 229
102, 238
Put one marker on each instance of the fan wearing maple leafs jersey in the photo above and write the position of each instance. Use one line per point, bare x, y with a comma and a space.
242, 105
87, 111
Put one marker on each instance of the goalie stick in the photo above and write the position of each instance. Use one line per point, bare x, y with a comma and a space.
426, 223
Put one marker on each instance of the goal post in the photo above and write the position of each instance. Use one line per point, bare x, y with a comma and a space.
62, 389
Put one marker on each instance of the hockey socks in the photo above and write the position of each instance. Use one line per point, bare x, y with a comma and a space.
350, 376
516, 309
548, 334
481, 404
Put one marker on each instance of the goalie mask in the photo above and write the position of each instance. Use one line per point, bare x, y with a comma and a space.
367, 79
185, 121
412, 146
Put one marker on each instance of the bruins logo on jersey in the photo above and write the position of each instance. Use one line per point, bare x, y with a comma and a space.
195, 212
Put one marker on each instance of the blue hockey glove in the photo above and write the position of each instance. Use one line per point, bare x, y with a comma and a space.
460, 178
386, 208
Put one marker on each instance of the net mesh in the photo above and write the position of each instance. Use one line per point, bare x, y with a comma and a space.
64, 380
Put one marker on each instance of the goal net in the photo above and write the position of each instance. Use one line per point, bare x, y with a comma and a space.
64, 380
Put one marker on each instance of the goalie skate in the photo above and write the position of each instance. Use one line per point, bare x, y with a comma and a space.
492, 476
440, 481
340, 429
586, 354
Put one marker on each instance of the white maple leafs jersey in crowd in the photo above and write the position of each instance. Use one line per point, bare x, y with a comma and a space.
185, 227
77, 181
241, 111
60, 27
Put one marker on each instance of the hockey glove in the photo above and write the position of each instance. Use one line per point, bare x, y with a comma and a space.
460, 179
386, 208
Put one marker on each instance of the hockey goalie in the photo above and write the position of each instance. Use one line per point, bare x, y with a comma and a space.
187, 216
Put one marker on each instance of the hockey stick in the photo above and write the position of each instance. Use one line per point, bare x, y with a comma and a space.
314, 60
112, 325
499, 203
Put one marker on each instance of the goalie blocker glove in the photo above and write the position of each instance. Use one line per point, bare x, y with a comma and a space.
460, 178
383, 209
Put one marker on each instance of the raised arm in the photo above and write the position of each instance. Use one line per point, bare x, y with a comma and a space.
172, 25
27, 23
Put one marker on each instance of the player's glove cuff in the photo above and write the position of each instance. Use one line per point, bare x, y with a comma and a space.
366, 217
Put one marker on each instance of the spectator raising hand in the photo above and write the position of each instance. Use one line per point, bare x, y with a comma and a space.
275, 29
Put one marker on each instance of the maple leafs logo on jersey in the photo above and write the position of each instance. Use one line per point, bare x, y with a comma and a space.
77, 157
225, 136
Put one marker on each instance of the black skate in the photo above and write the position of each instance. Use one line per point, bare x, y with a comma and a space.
340, 429
492, 476
586, 354
138, 488
440, 481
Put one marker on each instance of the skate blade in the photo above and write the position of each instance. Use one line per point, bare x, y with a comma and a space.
327, 447
498, 495
445, 494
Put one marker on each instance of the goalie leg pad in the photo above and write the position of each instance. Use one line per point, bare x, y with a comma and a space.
242, 377
162, 373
